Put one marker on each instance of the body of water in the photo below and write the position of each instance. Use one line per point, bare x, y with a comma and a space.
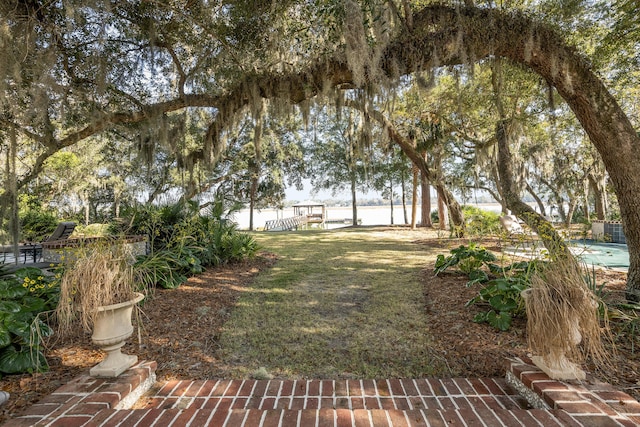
368, 215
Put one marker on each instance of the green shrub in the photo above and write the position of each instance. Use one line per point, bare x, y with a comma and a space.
469, 259
37, 225
159, 269
238, 246
23, 296
184, 241
435, 217
481, 222
504, 300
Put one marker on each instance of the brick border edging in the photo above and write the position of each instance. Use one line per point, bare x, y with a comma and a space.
85, 396
589, 402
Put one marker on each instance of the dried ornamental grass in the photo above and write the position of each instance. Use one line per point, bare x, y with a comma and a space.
100, 275
562, 315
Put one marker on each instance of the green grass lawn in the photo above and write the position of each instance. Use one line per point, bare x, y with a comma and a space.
337, 304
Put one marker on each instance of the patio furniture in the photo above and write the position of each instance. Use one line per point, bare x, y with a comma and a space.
62, 232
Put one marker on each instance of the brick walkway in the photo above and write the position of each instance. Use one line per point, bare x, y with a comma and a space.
526, 397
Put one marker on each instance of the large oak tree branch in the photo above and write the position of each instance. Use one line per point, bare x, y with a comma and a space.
445, 35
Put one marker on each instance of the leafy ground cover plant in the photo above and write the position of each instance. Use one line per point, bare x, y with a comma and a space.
23, 296
501, 286
468, 259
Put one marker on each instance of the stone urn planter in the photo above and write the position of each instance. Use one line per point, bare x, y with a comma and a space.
555, 364
112, 327
99, 290
563, 321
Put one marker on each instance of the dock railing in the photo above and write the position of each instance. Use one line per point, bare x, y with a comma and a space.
285, 224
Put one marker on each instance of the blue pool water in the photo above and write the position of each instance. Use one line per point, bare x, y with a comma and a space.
611, 255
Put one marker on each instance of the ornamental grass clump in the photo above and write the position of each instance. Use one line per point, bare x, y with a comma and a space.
99, 275
562, 317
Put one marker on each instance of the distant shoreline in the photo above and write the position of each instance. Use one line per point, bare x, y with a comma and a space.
369, 215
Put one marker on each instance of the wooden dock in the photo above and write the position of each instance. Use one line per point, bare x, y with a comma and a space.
286, 224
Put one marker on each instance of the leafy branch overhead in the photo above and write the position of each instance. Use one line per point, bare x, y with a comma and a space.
159, 75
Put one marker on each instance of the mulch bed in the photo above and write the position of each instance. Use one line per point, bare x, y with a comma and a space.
181, 329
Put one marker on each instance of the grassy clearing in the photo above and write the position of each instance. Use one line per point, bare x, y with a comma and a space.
337, 304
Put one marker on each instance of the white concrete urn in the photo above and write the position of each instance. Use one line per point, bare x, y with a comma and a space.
111, 328
555, 364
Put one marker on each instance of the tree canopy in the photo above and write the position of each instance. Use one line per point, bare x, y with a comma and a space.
175, 79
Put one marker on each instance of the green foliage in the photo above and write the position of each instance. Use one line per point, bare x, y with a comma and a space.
481, 222
468, 259
501, 286
158, 269
238, 246
503, 296
23, 296
184, 241
435, 217
36, 225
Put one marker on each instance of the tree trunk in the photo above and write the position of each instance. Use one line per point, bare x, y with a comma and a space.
14, 222
455, 211
86, 207
545, 230
252, 200
354, 207
443, 215
404, 197
538, 200
499, 197
391, 199
414, 198
425, 207
586, 208
599, 195
116, 204
5, 208
573, 204
561, 211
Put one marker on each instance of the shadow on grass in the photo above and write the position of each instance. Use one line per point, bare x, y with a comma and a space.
338, 304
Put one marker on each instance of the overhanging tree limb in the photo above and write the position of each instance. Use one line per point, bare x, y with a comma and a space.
444, 35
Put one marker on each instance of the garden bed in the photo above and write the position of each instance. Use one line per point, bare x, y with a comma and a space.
182, 327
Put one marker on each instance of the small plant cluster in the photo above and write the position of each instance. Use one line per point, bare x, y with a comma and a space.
481, 222
25, 294
184, 240
501, 286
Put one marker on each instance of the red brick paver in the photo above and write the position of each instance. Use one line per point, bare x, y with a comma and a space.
91, 402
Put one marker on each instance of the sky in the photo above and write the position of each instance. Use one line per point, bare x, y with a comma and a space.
305, 194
